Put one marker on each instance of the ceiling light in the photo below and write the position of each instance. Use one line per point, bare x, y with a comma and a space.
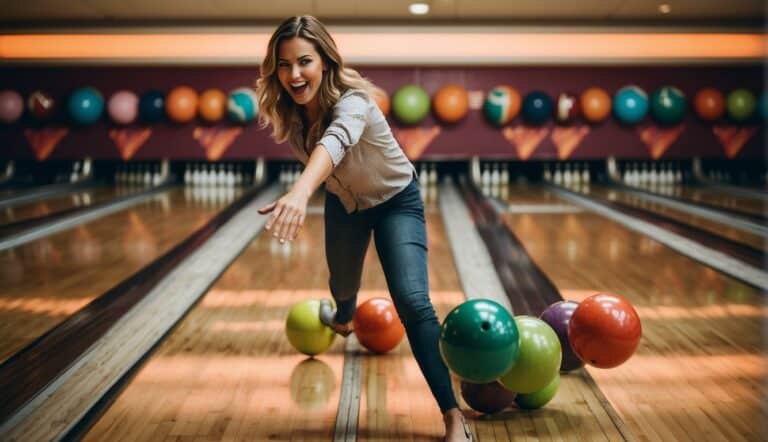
418, 8
664, 8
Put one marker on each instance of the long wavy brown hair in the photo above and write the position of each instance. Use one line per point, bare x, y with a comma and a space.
276, 107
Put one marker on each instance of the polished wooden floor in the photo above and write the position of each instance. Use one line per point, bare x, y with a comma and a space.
44, 281
727, 231
227, 372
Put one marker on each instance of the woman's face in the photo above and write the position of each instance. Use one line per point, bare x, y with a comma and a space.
300, 70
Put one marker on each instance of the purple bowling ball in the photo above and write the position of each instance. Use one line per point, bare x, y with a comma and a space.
11, 106
557, 316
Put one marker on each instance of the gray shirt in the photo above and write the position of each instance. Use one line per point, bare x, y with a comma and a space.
369, 167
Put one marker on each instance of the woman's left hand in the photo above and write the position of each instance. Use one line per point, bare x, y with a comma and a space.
288, 215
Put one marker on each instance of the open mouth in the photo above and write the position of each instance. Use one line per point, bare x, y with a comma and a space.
299, 88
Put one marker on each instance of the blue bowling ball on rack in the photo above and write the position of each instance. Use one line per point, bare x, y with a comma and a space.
242, 105
630, 104
85, 105
152, 106
537, 108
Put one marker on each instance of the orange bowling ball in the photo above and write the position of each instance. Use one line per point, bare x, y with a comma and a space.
604, 330
595, 104
377, 325
451, 103
709, 104
181, 104
213, 105
382, 100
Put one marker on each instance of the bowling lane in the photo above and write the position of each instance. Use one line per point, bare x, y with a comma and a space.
45, 281
227, 372
700, 369
721, 198
726, 231
79, 198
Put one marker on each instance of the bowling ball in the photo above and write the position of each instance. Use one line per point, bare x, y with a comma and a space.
537, 108
709, 104
501, 105
123, 107
567, 108
595, 104
381, 98
479, 340
304, 330
212, 105
605, 330
741, 105
181, 104
558, 315
668, 105
540, 398
152, 106
242, 105
410, 104
11, 106
85, 105
487, 398
451, 103
377, 326
539, 359
41, 106
630, 104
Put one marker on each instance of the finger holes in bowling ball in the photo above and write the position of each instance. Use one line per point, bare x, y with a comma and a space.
485, 326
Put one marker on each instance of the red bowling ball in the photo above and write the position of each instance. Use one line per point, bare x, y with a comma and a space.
487, 398
377, 325
604, 330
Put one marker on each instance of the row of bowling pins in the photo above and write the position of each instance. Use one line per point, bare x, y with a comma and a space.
427, 174
211, 196
139, 174
289, 174
494, 174
652, 174
80, 170
214, 175
567, 174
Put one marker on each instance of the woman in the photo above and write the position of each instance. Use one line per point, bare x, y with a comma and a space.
326, 113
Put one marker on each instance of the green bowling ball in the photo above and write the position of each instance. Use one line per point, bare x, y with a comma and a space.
539, 359
741, 104
304, 330
479, 340
410, 104
538, 399
668, 105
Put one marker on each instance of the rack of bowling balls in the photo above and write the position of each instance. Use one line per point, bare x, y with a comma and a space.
409, 105
630, 104
503, 359
86, 105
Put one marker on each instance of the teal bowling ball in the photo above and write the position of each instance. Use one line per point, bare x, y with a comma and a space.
668, 105
85, 105
630, 104
479, 340
410, 104
539, 359
242, 105
501, 105
741, 105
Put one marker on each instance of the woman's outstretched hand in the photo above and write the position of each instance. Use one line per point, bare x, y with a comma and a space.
288, 214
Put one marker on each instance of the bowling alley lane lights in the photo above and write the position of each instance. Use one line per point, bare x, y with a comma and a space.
392, 45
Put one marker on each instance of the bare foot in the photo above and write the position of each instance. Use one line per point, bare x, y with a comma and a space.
456, 428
